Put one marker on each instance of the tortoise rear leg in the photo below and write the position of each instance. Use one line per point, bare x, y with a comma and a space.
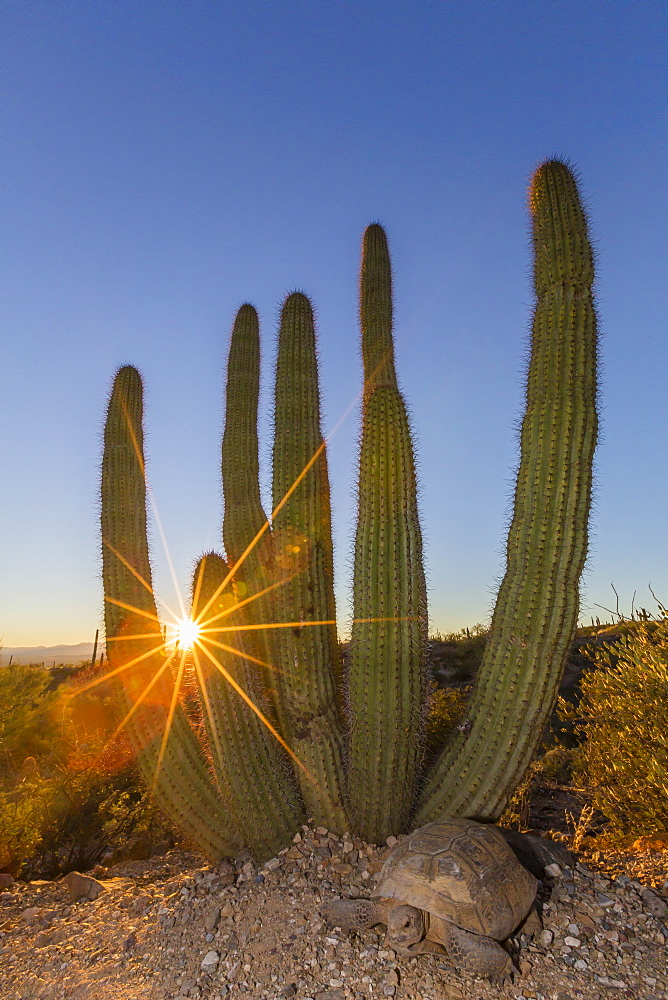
474, 953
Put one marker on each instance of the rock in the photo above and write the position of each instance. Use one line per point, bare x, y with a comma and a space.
79, 886
212, 918
531, 926
210, 961
656, 906
130, 942
554, 871
159, 849
6, 880
536, 853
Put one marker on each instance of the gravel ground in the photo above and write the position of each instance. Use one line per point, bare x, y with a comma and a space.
173, 926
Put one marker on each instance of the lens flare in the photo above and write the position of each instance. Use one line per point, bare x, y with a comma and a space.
186, 632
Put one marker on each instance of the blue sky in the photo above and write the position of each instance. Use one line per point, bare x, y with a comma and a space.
166, 162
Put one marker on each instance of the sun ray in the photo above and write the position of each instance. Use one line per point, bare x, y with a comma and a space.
251, 704
250, 628
154, 508
138, 635
246, 600
138, 701
207, 701
139, 577
251, 545
129, 607
246, 656
163, 539
117, 670
170, 719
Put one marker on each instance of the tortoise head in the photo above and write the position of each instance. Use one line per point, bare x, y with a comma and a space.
406, 925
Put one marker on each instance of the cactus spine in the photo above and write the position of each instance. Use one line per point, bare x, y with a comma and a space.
537, 607
178, 772
247, 756
387, 676
302, 541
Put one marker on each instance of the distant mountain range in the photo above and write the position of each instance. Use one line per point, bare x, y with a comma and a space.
49, 655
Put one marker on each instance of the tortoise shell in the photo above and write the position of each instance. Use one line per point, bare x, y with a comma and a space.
463, 872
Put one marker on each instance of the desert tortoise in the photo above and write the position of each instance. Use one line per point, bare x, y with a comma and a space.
453, 887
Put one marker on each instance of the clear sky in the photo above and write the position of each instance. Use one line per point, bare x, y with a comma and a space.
165, 162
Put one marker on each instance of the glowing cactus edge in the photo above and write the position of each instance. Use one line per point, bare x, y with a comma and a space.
288, 733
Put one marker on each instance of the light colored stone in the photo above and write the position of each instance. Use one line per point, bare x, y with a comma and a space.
83, 886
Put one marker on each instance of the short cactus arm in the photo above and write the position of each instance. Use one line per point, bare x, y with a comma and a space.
173, 767
244, 744
537, 607
302, 545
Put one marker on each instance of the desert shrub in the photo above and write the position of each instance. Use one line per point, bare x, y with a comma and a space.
447, 708
556, 764
622, 718
27, 723
68, 792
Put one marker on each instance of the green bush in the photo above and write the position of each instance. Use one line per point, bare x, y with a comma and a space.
622, 718
447, 709
27, 725
68, 793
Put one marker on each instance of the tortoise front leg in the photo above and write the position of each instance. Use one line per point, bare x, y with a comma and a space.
357, 914
474, 953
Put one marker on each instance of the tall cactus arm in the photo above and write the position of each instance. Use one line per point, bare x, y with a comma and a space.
244, 745
167, 751
246, 534
302, 541
387, 672
386, 678
537, 607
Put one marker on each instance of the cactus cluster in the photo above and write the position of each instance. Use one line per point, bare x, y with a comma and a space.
290, 733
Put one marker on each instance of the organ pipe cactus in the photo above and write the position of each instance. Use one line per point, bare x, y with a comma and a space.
356, 767
536, 611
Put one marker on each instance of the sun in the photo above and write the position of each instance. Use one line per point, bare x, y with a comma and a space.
186, 632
